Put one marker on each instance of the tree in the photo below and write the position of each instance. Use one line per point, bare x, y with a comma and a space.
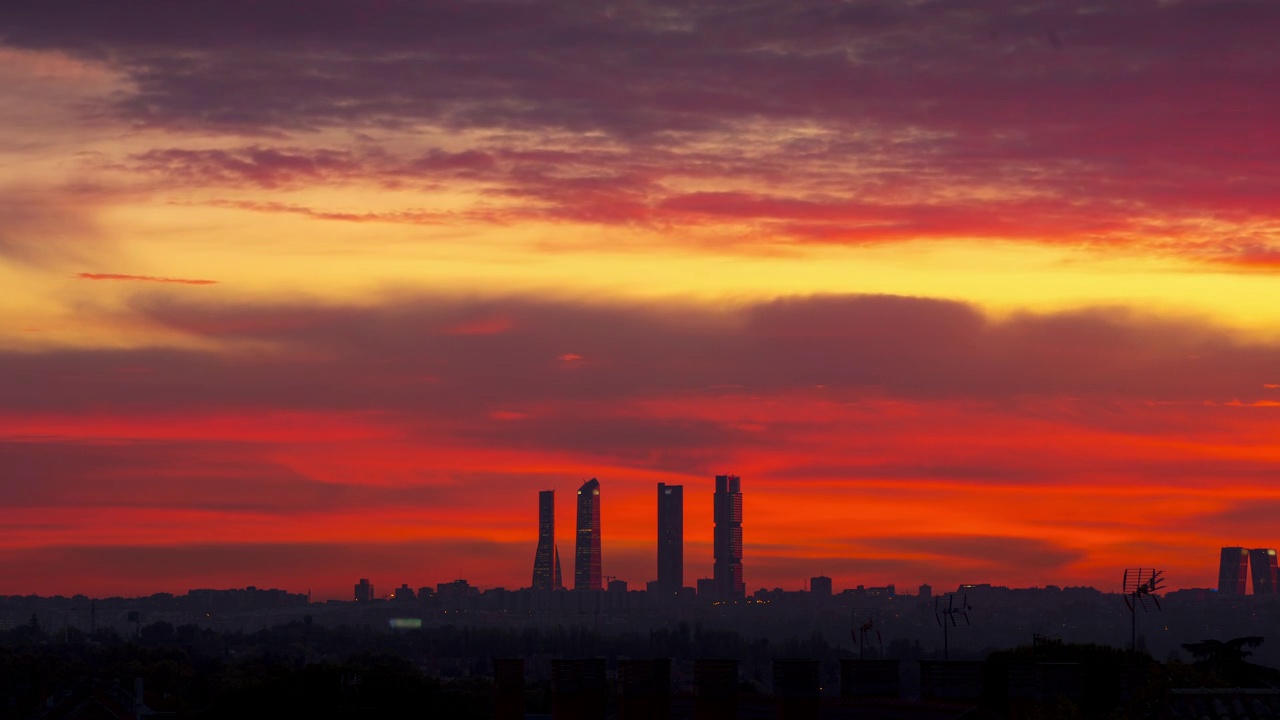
1217, 652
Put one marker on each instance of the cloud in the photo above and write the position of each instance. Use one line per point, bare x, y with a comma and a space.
998, 555
50, 228
936, 430
1137, 122
257, 166
410, 217
143, 278
501, 351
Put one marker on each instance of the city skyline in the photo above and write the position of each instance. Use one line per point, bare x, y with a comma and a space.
965, 292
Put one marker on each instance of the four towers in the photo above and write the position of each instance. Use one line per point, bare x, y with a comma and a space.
587, 574
727, 581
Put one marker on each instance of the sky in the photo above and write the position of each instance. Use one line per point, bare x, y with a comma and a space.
963, 290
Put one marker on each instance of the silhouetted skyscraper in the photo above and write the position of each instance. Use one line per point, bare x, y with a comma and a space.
364, 590
1264, 571
586, 554
670, 538
820, 585
1233, 571
546, 563
727, 570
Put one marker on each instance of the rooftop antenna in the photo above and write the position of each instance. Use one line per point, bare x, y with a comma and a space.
1140, 585
861, 631
942, 615
861, 635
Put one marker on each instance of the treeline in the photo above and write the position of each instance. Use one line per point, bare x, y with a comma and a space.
306, 642
190, 672
304, 669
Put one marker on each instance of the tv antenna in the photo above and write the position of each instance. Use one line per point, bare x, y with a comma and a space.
863, 633
942, 615
1140, 585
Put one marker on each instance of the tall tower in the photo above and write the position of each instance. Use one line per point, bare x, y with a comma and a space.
586, 555
727, 570
670, 538
1264, 571
546, 563
1233, 571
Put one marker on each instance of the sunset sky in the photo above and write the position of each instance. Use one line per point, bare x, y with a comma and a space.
295, 293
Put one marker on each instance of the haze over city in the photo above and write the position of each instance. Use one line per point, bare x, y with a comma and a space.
963, 292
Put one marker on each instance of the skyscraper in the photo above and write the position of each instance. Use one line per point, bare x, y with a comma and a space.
727, 570
586, 554
670, 538
364, 591
546, 562
1264, 571
1233, 571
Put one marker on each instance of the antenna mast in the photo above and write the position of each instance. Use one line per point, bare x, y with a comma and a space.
950, 612
1139, 585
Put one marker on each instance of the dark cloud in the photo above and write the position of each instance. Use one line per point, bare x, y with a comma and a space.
1252, 520
258, 166
211, 475
1091, 116
407, 353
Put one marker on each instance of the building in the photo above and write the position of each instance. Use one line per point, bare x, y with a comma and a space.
670, 538
546, 562
586, 554
926, 591
364, 590
727, 568
1233, 571
706, 587
1264, 571
457, 589
820, 585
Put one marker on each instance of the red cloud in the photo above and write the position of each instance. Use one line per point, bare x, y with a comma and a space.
144, 278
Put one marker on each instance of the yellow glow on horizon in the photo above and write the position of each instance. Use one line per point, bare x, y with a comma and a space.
283, 257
